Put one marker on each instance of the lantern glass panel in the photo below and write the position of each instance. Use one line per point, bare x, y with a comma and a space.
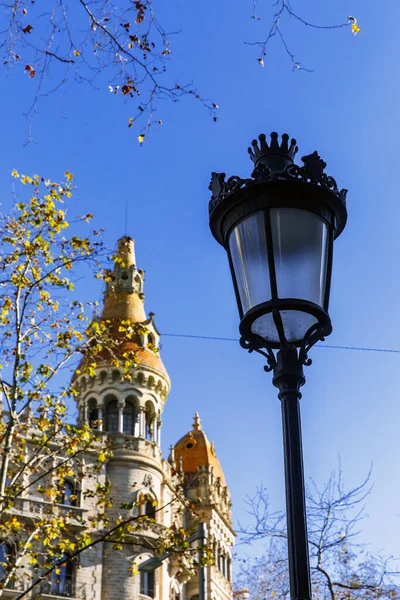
248, 248
300, 249
300, 242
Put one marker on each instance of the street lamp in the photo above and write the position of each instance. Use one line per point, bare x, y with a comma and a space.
278, 228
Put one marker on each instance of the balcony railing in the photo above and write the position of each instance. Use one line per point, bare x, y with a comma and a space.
63, 587
30, 507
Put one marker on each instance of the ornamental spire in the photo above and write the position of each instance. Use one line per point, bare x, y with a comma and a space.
196, 422
123, 298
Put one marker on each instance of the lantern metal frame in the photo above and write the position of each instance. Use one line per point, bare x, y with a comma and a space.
276, 182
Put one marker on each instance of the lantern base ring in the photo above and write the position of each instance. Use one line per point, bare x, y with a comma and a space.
254, 342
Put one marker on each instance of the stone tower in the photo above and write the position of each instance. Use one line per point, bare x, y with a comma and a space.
206, 488
129, 412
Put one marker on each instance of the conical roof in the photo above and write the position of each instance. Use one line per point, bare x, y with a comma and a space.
124, 306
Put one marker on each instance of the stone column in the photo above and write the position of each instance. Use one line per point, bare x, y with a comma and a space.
159, 433
121, 405
142, 422
83, 412
136, 425
100, 408
154, 429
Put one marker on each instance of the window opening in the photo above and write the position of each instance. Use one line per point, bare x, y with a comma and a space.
93, 414
147, 583
149, 509
5, 562
129, 418
62, 581
69, 493
112, 417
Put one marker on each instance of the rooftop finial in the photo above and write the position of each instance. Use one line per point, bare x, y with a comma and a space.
196, 422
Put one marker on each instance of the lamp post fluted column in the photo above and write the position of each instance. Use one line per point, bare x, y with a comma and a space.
278, 228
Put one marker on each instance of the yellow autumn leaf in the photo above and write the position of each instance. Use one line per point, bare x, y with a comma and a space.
134, 569
77, 53
354, 27
141, 138
14, 173
68, 175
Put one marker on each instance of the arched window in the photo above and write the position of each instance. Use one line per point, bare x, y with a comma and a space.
93, 413
151, 339
112, 416
62, 580
150, 509
6, 555
69, 493
129, 418
147, 583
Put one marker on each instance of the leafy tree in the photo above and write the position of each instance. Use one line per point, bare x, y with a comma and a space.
44, 330
341, 566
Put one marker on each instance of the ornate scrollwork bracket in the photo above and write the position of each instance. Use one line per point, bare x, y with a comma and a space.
267, 352
221, 188
316, 333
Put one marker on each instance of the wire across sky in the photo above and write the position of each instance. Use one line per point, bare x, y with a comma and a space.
226, 339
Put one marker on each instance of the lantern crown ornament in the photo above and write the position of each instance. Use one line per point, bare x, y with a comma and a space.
278, 227
276, 156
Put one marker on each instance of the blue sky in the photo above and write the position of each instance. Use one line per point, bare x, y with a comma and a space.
348, 109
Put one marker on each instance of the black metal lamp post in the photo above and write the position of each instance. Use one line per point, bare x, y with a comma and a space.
278, 228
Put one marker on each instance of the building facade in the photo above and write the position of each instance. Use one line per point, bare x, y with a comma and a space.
129, 412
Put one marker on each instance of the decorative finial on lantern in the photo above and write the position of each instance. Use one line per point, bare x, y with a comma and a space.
275, 156
196, 422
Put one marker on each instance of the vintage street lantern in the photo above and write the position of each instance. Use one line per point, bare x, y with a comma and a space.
278, 228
